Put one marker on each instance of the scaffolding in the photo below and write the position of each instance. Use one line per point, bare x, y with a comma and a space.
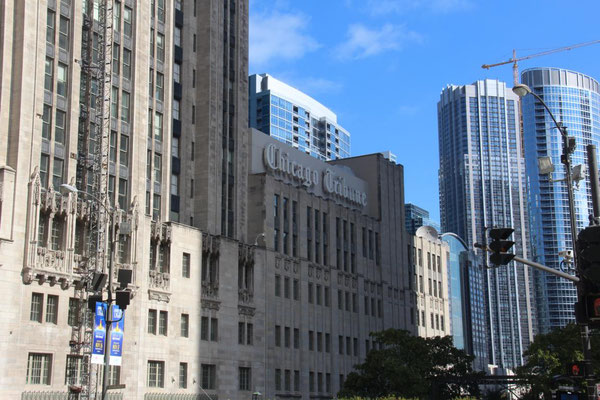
92, 177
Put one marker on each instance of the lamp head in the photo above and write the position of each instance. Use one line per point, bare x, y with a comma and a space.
67, 189
545, 165
521, 90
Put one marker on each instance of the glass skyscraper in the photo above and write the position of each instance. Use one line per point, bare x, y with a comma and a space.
574, 99
482, 185
416, 217
295, 118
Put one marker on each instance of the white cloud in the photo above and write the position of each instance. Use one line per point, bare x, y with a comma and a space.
279, 36
384, 7
319, 85
364, 42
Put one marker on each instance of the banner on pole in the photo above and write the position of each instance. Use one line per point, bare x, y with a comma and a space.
99, 333
116, 336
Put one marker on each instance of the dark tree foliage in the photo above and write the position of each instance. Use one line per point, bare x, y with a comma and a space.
410, 366
548, 356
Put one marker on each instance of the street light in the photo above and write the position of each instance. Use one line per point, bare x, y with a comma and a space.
523, 90
568, 146
67, 189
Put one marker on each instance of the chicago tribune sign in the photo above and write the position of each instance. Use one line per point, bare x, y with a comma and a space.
334, 185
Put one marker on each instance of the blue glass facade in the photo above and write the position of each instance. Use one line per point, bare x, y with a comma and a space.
416, 217
574, 99
482, 185
466, 293
296, 119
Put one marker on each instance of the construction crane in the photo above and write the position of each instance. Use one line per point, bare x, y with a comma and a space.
515, 60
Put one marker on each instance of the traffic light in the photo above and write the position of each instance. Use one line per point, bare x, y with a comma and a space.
576, 370
588, 266
123, 298
500, 246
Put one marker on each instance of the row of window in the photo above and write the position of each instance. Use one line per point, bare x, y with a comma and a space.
283, 381
317, 236
39, 370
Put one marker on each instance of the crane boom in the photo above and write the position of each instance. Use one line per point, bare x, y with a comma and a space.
515, 60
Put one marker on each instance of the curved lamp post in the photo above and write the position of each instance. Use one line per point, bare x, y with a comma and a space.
568, 147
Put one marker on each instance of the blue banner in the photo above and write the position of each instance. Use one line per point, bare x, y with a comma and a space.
116, 336
99, 333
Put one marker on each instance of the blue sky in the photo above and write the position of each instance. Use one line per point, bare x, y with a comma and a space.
380, 65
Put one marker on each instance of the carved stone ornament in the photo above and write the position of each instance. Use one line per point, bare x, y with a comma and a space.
286, 265
277, 262
318, 273
208, 304
159, 295
246, 311
310, 270
326, 276
296, 267
340, 278
354, 283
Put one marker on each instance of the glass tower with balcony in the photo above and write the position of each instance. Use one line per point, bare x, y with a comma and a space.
574, 99
295, 118
482, 185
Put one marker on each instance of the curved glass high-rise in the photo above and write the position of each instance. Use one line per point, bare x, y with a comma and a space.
574, 99
482, 185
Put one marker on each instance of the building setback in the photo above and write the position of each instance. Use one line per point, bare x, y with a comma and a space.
171, 153
482, 185
574, 99
295, 118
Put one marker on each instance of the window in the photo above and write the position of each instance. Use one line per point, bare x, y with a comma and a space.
127, 19
204, 328
177, 73
185, 325
158, 126
277, 285
311, 340
348, 348
245, 378
319, 341
277, 379
157, 168
59, 127
241, 333
296, 289
208, 376
156, 373
125, 106
126, 64
46, 122
114, 374
37, 300
160, 47
52, 309
287, 380
74, 370
310, 292
50, 26
177, 37
124, 151
116, 58
249, 334
185, 265
277, 336
286, 287
319, 295
214, 329
160, 85
152, 322
176, 108
122, 199
183, 368
163, 321
161, 11
296, 338
39, 369
73, 314
61, 80
311, 381
48, 75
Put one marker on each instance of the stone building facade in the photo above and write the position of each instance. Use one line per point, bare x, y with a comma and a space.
429, 261
172, 159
